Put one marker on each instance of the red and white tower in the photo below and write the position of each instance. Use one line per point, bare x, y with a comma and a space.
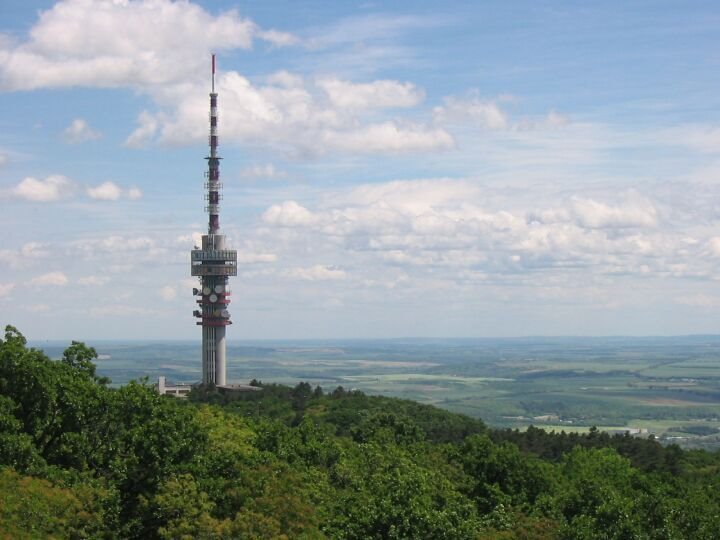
213, 264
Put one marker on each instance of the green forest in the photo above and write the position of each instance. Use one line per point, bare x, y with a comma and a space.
79, 459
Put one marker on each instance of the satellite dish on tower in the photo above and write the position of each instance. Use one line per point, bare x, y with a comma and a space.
213, 297
219, 288
207, 290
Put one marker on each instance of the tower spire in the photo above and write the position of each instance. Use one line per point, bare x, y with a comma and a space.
213, 264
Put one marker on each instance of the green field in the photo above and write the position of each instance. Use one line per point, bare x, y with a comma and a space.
667, 387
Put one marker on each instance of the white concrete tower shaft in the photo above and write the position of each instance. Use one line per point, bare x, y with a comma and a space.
213, 264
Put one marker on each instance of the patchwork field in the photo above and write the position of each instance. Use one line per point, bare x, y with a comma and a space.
666, 387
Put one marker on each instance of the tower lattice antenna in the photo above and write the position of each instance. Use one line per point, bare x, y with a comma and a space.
213, 264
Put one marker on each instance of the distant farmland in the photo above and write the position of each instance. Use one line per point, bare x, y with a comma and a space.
667, 386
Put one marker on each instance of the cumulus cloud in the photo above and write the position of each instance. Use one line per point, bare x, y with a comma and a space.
110, 191
485, 113
286, 113
160, 48
52, 188
50, 279
146, 130
107, 191
457, 232
633, 211
376, 94
108, 43
288, 214
58, 187
388, 137
79, 132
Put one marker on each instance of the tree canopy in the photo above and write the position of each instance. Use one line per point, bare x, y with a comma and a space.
79, 459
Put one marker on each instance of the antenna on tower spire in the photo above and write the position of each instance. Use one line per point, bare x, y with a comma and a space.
213, 72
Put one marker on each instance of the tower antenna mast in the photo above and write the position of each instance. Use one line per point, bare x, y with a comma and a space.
213, 265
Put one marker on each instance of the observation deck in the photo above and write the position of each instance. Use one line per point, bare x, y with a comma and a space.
214, 262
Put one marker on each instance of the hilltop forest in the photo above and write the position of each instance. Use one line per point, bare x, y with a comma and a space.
79, 459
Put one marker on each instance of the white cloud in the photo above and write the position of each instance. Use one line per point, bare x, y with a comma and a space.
50, 279
107, 191
79, 131
458, 232
6, 289
277, 38
288, 214
115, 43
58, 187
484, 113
110, 191
388, 137
286, 114
633, 211
144, 132
376, 94
168, 293
160, 48
3, 159
52, 188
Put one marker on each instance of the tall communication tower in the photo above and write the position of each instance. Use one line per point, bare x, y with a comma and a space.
213, 264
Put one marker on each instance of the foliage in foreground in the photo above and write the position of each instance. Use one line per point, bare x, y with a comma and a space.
81, 460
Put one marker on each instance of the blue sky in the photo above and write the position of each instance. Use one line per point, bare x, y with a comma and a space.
390, 168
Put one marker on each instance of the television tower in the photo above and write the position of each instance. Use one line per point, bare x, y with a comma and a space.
213, 264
